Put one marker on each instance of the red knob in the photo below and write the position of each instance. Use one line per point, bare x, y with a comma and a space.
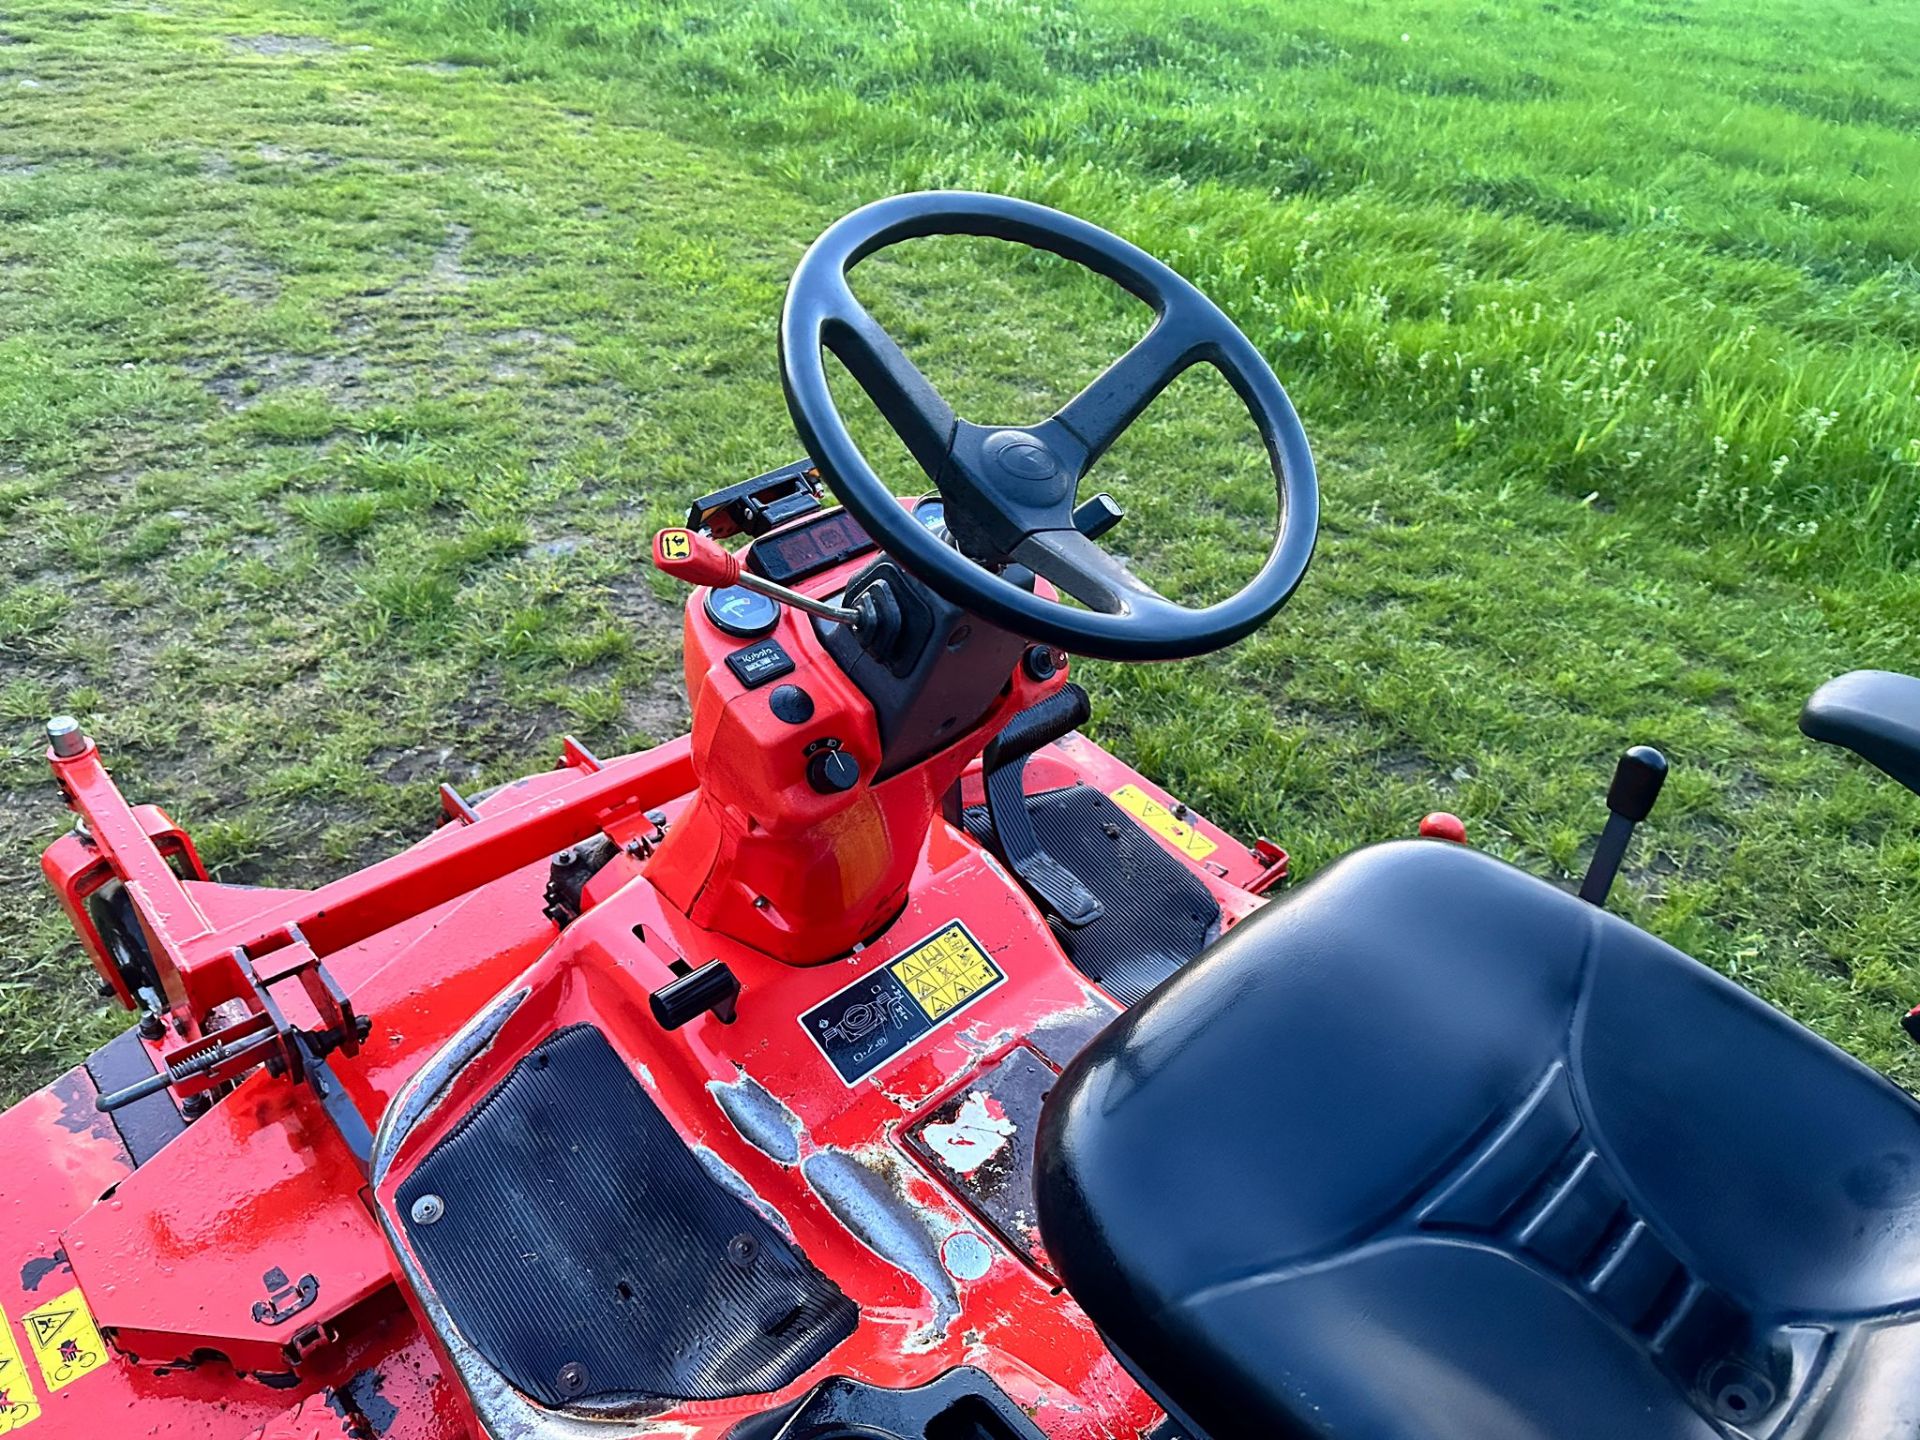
690, 556
1442, 826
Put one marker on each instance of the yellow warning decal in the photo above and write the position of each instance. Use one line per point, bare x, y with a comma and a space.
19, 1406
945, 970
63, 1338
676, 544
1163, 822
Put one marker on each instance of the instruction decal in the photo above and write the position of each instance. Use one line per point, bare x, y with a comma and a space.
862, 1026
19, 1405
64, 1340
1182, 836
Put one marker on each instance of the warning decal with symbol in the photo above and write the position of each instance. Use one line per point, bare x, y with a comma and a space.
19, 1405
1173, 826
862, 1026
64, 1340
945, 971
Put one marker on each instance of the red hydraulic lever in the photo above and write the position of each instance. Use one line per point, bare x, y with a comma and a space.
690, 556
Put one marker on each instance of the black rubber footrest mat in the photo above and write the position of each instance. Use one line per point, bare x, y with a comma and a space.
583, 1250
1158, 914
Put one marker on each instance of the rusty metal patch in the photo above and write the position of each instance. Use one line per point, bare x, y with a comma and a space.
979, 1143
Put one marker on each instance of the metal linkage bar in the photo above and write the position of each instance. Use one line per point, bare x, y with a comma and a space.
202, 967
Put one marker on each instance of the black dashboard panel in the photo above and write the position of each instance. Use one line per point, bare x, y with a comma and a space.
801, 550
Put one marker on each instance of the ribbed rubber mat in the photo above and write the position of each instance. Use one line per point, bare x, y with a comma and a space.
1158, 914
584, 1251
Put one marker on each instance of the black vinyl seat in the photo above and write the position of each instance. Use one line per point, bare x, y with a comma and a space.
1431, 1150
1875, 714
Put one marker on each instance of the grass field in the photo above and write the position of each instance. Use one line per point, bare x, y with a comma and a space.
349, 353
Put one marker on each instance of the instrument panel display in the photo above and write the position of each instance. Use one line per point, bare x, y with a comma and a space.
789, 555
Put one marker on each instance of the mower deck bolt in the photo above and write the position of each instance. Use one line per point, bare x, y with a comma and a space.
741, 1249
428, 1209
194, 1106
572, 1379
65, 736
152, 1027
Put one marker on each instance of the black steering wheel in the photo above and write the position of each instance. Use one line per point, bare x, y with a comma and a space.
1009, 491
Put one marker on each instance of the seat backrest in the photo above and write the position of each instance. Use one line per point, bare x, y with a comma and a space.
1875, 714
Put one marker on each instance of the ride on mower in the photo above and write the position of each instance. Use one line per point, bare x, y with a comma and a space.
887, 1060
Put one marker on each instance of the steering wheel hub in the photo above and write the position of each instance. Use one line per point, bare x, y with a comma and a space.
1021, 456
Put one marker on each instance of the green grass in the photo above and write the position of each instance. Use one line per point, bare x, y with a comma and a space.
353, 351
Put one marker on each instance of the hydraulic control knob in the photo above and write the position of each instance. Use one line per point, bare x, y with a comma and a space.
1636, 785
833, 772
689, 556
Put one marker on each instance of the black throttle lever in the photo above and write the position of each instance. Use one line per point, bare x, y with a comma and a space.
1636, 785
1002, 768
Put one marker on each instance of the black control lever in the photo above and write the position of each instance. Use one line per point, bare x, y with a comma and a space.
1096, 515
713, 987
1636, 785
1002, 767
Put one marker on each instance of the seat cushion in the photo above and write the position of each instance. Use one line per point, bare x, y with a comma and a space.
1432, 1149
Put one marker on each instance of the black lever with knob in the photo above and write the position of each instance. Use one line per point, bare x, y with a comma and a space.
1636, 785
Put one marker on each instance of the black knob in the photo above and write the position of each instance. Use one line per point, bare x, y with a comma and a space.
712, 987
833, 771
791, 704
1636, 783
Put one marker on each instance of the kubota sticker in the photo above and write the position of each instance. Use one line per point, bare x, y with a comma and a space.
861, 1027
64, 1339
19, 1406
1184, 837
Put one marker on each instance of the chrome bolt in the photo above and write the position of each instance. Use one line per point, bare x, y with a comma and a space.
65, 736
428, 1209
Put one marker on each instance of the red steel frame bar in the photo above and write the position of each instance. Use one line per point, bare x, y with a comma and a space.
198, 961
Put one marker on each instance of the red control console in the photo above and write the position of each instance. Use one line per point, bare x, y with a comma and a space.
793, 846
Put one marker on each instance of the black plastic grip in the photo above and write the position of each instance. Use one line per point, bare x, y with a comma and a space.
1636, 783
1061, 713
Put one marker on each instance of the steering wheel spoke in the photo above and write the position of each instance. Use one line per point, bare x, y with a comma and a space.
904, 396
1101, 413
1087, 572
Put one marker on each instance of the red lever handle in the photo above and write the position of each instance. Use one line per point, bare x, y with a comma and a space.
690, 556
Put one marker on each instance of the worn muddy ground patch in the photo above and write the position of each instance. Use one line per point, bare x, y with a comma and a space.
284, 45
